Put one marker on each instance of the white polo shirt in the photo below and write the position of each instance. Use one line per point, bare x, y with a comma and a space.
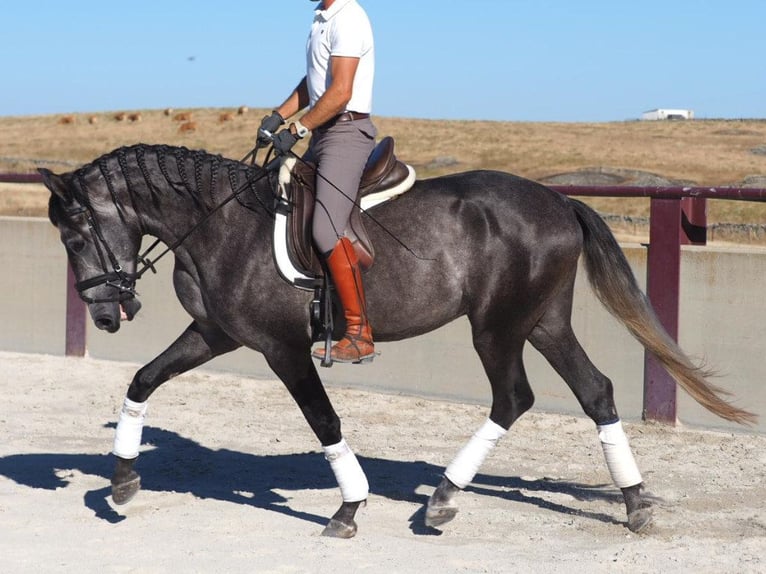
343, 30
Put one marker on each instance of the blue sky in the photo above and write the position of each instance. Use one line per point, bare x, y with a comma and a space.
517, 60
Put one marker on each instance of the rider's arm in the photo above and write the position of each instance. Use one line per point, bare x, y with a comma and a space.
338, 94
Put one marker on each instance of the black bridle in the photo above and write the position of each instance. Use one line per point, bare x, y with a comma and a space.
117, 277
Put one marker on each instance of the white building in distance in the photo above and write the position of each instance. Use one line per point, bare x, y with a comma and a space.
668, 114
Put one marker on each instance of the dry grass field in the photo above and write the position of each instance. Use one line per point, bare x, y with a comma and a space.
699, 152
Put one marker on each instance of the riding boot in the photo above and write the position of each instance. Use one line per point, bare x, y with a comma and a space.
356, 346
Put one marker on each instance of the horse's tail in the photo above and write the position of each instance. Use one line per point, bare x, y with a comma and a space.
615, 286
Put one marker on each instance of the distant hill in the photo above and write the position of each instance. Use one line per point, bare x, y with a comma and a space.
693, 152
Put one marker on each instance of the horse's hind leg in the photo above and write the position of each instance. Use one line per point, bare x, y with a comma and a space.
554, 338
195, 346
501, 355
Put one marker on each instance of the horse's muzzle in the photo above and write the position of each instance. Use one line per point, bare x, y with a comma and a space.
107, 316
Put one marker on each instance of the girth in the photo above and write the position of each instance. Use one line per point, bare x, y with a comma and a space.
384, 174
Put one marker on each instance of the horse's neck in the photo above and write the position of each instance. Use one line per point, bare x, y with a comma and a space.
174, 190
168, 192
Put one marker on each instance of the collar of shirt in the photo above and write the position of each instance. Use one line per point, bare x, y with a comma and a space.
337, 6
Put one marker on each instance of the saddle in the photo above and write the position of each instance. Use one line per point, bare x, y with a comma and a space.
384, 177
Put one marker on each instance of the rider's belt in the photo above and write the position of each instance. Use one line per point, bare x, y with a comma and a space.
344, 117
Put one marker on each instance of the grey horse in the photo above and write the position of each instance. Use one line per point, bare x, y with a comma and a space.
497, 248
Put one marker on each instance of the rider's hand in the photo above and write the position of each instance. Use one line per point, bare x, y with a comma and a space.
284, 141
270, 124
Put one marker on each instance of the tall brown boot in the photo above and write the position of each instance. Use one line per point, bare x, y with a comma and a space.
356, 346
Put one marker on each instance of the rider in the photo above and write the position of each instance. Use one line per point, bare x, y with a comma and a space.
337, 88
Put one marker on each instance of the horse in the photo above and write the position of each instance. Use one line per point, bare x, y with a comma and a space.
497, 248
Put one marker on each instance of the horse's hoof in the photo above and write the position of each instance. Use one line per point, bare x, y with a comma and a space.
124, 492
337, 529
438, 515
640, 520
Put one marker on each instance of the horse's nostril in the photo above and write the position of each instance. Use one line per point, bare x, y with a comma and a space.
104, 323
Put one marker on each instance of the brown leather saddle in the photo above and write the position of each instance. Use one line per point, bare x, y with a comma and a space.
383, 173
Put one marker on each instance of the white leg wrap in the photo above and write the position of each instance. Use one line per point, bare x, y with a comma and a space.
619, 458
127, 439
470, 458
349, 474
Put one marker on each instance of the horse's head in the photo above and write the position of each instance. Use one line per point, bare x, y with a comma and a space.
101, 245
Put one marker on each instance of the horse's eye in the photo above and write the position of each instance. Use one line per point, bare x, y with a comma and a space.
76, 245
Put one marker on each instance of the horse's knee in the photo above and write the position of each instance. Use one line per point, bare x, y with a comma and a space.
139, 389
144, 383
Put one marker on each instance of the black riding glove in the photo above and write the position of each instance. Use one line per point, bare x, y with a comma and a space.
269, 124
284, 141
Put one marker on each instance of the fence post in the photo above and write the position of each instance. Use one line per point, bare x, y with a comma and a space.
75, 318
663, 287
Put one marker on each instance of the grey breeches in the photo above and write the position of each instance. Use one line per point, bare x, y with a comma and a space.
341, 153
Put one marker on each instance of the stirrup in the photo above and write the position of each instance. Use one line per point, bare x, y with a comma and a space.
322, 323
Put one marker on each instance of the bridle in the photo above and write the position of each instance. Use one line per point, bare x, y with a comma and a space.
119, 279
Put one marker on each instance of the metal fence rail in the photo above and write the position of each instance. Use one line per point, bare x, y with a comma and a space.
20, 178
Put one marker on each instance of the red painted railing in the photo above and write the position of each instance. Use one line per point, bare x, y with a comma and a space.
678, 216
21, 178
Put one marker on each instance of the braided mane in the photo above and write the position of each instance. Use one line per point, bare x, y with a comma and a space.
203, 178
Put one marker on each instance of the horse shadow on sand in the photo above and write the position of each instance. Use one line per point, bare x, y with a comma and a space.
178, 464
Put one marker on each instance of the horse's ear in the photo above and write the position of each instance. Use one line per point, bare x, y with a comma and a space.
56, 184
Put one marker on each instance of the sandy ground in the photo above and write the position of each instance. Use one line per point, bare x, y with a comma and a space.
234, 482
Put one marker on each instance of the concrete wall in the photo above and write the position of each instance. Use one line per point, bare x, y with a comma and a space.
32, 286
723, 319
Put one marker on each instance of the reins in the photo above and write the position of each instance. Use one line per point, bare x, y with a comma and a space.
125, 282
268, 165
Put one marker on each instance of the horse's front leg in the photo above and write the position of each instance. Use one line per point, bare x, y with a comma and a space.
195, 346
296, 370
